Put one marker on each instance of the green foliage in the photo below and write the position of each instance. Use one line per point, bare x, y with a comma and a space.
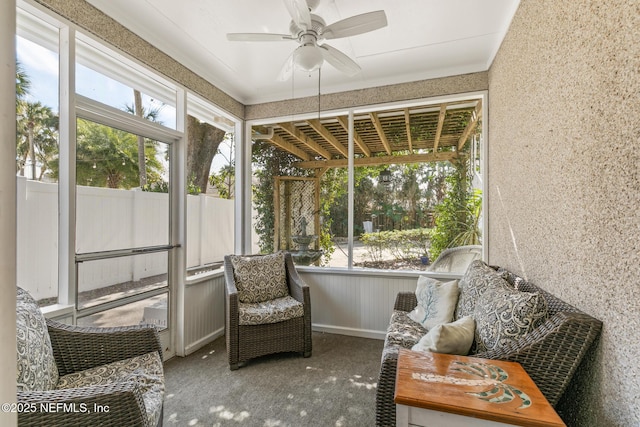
457, 217
224, 181
402, 244
163, 187
269, 162
108, 157
36, 135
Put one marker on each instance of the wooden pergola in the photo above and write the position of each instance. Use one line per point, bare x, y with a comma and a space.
429, 133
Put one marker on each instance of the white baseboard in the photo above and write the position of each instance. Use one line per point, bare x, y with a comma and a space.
362, 333
197, 345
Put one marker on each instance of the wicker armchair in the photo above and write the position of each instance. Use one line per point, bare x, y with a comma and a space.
248, 341
550, 354
456, 260
118, 372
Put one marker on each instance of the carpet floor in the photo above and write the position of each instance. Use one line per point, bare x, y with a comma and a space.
336, 386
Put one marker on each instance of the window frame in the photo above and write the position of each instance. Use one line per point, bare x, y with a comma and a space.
352, 112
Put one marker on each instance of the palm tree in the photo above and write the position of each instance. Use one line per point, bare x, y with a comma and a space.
36, 125
108, 157
23, 84
151, 115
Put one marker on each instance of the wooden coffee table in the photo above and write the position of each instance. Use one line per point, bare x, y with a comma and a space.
434, 390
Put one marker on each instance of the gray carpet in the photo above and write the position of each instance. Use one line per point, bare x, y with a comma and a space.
336, 386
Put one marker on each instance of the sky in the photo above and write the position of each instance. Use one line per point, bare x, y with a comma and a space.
41, 66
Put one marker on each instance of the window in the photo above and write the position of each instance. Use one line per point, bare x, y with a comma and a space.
37, 154
416, 186
210, 185
101, 76
123, 159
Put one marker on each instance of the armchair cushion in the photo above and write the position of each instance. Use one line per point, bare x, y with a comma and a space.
272, 311
260, 279
37, 368
145, 371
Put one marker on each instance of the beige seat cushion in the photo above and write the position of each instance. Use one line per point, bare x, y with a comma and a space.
146, 371
272, 311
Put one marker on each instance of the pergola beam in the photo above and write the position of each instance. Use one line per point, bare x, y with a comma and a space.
441, 117
287, 146
324, 132
379, 160
383, 138
471, 126
356, 138
304, 139
407, 123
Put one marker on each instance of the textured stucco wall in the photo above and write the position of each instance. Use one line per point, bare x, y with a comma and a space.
92, 20
564, 171
356, 98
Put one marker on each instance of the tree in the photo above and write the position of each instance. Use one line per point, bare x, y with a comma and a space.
152, 115
142, 168
23, 83
36, 126
224, 180
457, 217
204, 140
108, 157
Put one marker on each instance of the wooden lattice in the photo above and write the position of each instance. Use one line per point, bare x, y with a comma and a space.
295, 198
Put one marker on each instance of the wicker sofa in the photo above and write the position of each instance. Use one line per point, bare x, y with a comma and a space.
550, 353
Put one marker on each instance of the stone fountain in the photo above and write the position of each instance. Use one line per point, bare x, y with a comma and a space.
304, 255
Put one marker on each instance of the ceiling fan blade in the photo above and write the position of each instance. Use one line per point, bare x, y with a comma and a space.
339, 60
355, 25
287, 69
299, 11
258, 37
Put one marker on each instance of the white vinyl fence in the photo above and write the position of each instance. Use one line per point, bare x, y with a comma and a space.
109, 219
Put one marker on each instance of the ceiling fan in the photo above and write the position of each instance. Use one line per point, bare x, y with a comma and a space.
310, 31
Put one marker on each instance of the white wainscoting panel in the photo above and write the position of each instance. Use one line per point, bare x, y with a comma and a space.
204, 311
354, 303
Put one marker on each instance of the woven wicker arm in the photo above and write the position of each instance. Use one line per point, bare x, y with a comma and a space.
405, 301
299, 290
552, 352
108, 405
231, 314
77, 348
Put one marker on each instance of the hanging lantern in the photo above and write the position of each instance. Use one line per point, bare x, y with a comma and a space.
385, 178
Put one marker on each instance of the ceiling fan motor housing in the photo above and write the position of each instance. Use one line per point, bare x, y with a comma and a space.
317, 26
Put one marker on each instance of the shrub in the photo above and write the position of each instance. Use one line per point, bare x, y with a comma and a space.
402, 244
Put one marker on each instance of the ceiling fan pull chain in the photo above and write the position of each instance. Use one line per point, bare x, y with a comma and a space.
319, 71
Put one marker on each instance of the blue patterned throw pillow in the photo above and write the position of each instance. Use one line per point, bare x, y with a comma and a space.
436, 302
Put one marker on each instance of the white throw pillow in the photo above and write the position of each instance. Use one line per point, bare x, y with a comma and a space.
449, 338
436, 302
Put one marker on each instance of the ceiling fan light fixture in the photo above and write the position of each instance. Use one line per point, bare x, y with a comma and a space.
308, 57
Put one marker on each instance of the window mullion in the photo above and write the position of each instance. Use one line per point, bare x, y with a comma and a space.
67, 179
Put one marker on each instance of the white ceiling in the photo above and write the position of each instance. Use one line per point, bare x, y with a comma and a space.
423, 39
